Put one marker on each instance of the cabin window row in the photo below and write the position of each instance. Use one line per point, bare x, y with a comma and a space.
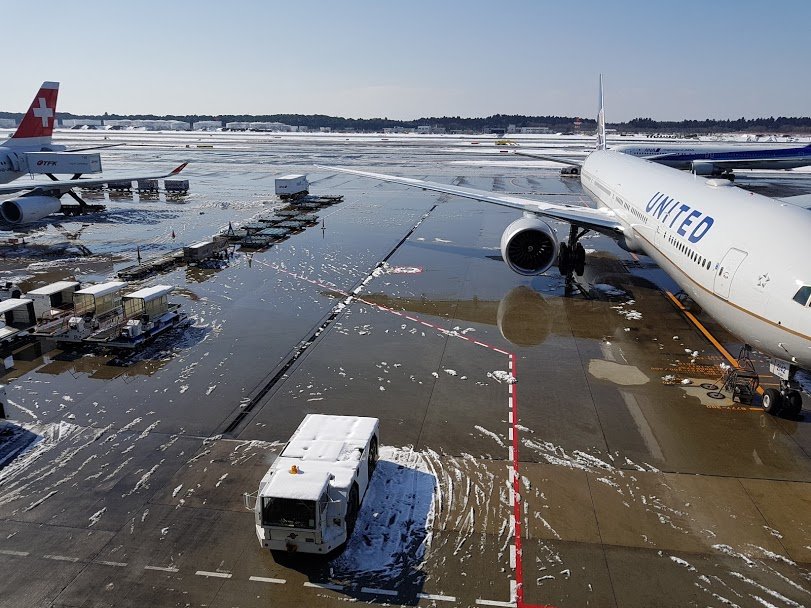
690, 253
638, 214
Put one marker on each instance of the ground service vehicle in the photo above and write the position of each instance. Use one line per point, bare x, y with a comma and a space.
309, 499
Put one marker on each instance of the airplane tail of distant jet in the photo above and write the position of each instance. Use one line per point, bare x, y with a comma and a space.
37, 125
601, 142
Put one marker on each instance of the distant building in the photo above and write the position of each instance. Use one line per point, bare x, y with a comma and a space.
148, 125
258, 126
511, 129
207, 125
423, 130
325, 129
7, 123
534, 130
74, 123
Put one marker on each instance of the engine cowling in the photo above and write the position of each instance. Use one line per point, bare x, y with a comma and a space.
703, 167
29, 208
529, 246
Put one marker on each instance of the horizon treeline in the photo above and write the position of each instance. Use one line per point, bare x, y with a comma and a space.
496, 122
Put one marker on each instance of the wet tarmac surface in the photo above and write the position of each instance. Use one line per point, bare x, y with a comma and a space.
599, 478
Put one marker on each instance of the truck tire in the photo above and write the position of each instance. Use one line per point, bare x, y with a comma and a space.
372, 456
352, 509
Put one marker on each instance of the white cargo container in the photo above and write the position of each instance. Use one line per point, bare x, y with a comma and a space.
53, 300
291, 185
62, 162
309, 499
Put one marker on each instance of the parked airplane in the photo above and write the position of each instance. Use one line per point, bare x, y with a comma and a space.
30, 151
741, 256
721, 160
711, 160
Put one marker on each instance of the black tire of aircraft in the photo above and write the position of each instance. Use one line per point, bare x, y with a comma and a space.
772, 401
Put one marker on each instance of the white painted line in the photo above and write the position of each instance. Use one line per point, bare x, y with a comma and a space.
61, 558
510, 416
106, 563
510, 401
264, 579
512, 499
213, 574
510, 364
512, 557
161, 568
332, 586
378, 591
436, 598
17, 553
503, 352
480, 343
510, 432
513, 590
512, 525
510, 451
494, 603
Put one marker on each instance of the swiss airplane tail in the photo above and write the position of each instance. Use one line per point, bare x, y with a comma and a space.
37, 125
601, 143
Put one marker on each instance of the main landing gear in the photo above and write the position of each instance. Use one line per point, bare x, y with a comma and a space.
787, 401
572, 259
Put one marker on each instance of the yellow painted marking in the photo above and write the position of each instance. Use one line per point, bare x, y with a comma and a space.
724, 352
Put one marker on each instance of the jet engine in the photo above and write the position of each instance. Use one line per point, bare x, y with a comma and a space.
29, 208
529, 246
703, 168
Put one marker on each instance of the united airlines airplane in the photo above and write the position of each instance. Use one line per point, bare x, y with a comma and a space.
741, 256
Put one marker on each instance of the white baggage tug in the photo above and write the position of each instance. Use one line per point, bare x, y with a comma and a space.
309, 499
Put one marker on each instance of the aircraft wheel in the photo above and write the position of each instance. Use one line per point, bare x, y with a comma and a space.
794, 404
579, 260
772, 401
352, 509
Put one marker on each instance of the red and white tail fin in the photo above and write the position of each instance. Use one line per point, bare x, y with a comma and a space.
38, 123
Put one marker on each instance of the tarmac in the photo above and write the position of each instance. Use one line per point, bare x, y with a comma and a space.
540, 448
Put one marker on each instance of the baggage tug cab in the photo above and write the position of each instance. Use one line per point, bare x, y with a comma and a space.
309, 499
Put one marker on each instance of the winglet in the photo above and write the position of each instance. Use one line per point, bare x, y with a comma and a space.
37, 125
601, 144
178, 169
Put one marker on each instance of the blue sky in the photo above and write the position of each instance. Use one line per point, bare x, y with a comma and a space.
361, 58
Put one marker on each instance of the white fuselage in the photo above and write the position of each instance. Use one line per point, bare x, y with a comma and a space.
741, 256
9, 165
13, 162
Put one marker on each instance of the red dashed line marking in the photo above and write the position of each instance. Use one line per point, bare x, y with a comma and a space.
516, 551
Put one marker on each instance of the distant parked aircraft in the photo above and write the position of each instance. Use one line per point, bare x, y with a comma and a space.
30, 151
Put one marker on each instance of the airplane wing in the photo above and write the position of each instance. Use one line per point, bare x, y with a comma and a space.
801, 200
59, 187
599, 220
554, 159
